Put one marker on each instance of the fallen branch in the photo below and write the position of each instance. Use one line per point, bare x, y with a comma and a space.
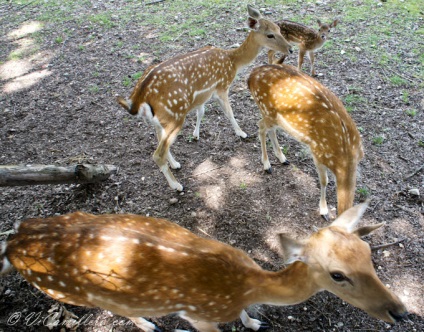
154, 2
414, 172
386, 245
24, 175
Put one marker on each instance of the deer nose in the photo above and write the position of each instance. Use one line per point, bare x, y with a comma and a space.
290, 50
398, 316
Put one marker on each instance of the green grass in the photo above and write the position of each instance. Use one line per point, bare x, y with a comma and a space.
94, 88
126, 82
136, 76
363, 192
378, 140
411, 112
396, 80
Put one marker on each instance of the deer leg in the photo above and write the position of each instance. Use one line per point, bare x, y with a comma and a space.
312, 58
159, 133
200, 113
162, 155
201, 325
323, 179
143, 324
302, 52
262, 138
251, 323
225, 104
276, 147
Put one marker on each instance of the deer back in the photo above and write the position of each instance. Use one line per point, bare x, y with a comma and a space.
131, 265
309, 112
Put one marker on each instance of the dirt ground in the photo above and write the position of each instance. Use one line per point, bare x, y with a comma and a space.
58, 106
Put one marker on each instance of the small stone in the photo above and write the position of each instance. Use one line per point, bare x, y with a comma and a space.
173, 201
406, 292
379, 87
357, 49
194, 214
386, 253
401, 245
290, 318
340, 324
414, 191
342, 52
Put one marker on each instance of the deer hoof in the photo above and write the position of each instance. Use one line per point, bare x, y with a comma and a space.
286, 162
269, 170
263, 327
326, 217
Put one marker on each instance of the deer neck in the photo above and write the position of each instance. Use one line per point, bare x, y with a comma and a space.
289, 286
246, 52
346, 185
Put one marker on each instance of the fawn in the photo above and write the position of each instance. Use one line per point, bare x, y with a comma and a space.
171, 89
137, 266
308, 40
313, 115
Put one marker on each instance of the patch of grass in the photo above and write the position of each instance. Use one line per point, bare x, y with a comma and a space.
103, 19
94, 88
397, 80
81, 47
59, 40
352, 100
243, 185
136, 76
190, 138
411, 112
378, 140
421, 144
363, 192
126, 82
405, 96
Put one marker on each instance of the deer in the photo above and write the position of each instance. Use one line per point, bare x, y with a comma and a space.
308, 39
168, 91
137, 266
313, 115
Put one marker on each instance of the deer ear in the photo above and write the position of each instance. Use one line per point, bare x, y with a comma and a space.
332, 25
351, 217
363, 231
319, 22
253, 13
292, 249
253, 24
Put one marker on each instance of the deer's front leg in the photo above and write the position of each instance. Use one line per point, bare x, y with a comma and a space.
200, 113
222, 97
312, 58
251, 323
262, 138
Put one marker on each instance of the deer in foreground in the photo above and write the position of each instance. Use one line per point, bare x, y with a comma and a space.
312, 114
171, 89
308, 39
138, 266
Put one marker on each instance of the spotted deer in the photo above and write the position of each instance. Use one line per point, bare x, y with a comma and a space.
312, 114
171, 89
137, 266
308, 39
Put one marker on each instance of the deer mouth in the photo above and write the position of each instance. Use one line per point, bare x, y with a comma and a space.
397, 317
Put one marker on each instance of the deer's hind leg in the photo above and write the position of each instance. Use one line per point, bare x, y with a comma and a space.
162, 155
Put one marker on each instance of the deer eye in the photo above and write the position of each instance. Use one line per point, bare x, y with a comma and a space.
270, 36
337, 276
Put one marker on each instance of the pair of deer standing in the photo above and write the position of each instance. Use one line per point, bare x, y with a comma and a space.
137, 266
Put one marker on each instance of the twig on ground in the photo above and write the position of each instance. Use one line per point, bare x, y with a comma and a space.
414, 172
386, 245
